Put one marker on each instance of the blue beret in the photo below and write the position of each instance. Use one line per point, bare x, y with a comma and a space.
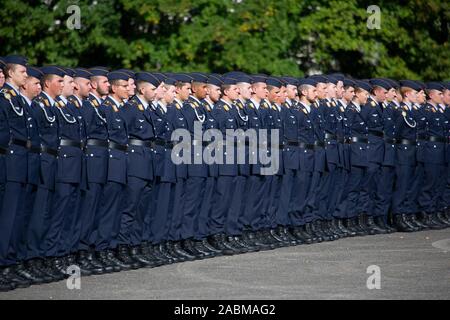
70, 72
131, 73
148, 77
348, 82
435, 86
446, 85
229, 80
290, 80
118, 75
338, 76
258, 78
214, 80
16, 59
234, 74
392, 83
170, 81
161, 77
307, 81
99, 71
82, 73
274, 82
2, 62
380, 83
243, 78
319, 79
331, 79
53, 70
34, 72
363, 85
410, 84
181, 77
198, 77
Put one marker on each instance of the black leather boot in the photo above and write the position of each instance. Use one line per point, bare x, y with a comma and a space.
429, 221
6, 285
402, 225
309, 230
217, 241
107, 264
35, 267
412, 220
177, 248
211, 248
300, 235
85, 265
442, 218
123, 254
253, 239
9, 275
341, 225
316, 228
375, 228
189, 246
379, 221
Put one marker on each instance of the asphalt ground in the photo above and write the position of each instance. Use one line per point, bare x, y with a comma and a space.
411, 266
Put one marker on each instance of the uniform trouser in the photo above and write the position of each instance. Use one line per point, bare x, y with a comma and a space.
445, 199
402, 200
417, 185
441, 201
177, 195
110, 213
253, 217
312, 206
284, 203
18, 242
385, 186
13, 200
355, 189
63, 235
235, 209
371, 185
201, 223
326, 190
222, 198
193, 201
2, 193
432, 187
137, 195
160, 215
89, 216
40, 223
301, 188
340, 211
147, 205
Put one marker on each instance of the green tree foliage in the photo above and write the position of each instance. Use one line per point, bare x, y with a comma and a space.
280, 37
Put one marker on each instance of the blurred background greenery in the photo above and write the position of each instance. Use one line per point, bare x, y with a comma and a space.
279, 37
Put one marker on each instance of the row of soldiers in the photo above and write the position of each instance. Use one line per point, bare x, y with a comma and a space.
87, 176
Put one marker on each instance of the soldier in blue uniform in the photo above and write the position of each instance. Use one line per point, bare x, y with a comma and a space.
434, 156
406, 134
445, 200
359, 157
14, 136
344, 136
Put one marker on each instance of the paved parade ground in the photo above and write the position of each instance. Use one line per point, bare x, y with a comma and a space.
412, 266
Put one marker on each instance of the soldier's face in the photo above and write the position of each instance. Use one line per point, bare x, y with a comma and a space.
311, 94
2, 78
420, 97
18, 75
102, 85
55, 85
149, 92
390, 95
32, 87
282, 98
412, 96
169, 95
320, 89
232, 92
436, 96
349, 93
362, 96
274, 95
120, 88
184, 92
380, 94
199, 89
83, 87
260, 90
160, 91
131, 87
245, 89
291, 91
213, 92
331, 90
446, 97
339, 89
69, 86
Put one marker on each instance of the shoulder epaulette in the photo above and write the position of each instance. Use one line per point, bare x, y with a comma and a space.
8, 93
373, 104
